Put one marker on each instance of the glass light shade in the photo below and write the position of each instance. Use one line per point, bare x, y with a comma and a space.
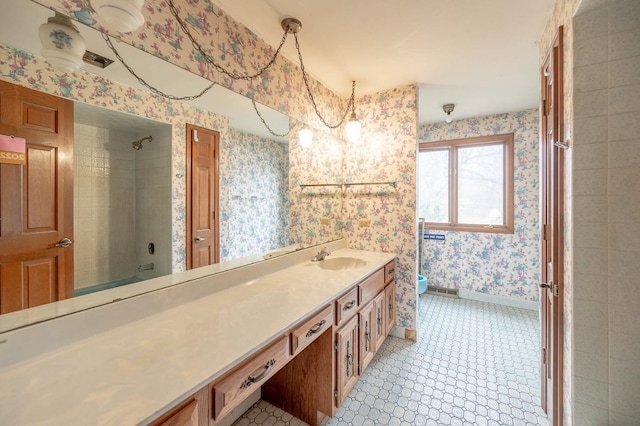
62, 45
305, 137
353, 129
448, 119
120, 15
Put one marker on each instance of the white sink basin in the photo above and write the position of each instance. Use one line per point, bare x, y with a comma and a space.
341, 263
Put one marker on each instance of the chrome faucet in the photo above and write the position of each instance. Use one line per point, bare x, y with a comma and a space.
321, 255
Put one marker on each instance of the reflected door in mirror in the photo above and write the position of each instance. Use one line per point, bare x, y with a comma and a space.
36, 200
203, 221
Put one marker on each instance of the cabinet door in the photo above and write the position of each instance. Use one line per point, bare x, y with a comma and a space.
380, 320
390, 302
347, 362
367, 340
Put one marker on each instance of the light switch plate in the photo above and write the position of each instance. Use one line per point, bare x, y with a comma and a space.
325, 221
364, 223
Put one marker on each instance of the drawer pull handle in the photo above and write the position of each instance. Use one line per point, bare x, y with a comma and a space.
319, 327
349, 305
391, 271
349, 359
254, 379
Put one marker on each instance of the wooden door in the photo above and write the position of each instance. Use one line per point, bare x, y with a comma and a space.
381, 319
552, 221
347, 362
36, 200
202, 197
367, 336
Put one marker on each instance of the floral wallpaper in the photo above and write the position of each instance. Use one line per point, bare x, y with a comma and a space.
386, 152
389, 120
316, 211
504, 265
255, 179
23, 68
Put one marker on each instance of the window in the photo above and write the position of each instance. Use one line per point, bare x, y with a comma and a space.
467, 184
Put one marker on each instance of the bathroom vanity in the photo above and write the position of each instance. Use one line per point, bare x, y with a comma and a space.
189, 354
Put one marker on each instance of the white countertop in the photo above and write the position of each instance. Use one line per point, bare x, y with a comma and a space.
131, 373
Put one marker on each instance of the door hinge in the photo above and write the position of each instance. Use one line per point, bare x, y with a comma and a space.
544, 107
335, 395
556, 290
544, 356
335, 347
545, 227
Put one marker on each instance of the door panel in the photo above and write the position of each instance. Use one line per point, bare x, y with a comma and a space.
202, 197
36, 200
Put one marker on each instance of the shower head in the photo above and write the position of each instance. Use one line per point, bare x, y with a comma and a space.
137, 145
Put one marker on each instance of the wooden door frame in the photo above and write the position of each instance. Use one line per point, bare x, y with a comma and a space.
554, 157
216, 180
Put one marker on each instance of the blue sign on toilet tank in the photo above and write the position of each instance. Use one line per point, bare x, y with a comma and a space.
438, 237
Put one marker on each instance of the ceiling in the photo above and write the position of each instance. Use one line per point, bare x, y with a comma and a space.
481, 55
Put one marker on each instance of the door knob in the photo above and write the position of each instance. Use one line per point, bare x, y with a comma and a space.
64, 243
199, 239
545, 285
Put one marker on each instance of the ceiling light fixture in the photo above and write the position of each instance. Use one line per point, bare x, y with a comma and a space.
289, 25
62, 45
293, 26
448, 109
123, 16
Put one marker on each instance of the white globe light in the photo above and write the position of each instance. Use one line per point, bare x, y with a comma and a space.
120, 15
62, 45
305, 137
353, 130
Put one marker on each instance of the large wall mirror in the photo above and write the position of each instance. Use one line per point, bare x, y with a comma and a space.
129, 167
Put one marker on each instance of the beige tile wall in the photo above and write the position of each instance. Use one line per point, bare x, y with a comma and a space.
606, 187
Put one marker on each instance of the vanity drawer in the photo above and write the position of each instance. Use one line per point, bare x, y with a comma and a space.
370, 287
310, 330
346, 306
230, 391
389, 271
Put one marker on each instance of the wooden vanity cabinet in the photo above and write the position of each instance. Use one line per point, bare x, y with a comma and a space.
380, 315
309, 371
347, 306
390, 305
347, 373
192, 412
232, 389
366, 319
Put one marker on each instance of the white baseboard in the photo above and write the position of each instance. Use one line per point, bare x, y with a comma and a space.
499, 300
397, 331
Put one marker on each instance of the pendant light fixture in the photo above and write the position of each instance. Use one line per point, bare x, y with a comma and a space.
353, 126
305, 137
123, 16
62, 45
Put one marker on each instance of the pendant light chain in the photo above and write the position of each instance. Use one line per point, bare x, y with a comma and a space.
280, 135
350, 105
211, 61
158, 92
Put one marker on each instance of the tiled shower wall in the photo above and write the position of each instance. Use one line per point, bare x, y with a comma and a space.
606, 217
121, 202
153, 202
